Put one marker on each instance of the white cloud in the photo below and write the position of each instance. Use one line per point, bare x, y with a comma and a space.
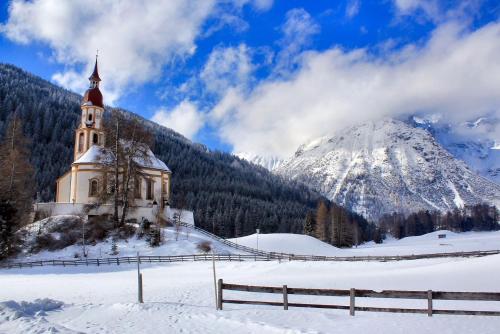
438, 11
226, 67
352, 8
298, 30
184, 118
456, 73
136, 39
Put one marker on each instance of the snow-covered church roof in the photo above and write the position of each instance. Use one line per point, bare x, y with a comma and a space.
97, 154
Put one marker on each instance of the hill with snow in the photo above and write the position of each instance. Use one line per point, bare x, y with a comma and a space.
387, 166
176, 241
425, 244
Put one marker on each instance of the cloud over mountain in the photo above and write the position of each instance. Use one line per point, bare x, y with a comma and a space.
455, 72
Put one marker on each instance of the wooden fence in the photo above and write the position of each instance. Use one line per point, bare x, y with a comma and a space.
429, 295
254, 255
230, 257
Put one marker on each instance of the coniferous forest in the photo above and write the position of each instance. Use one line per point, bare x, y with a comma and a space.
229, 196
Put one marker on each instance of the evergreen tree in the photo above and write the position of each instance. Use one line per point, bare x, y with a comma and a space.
309, 224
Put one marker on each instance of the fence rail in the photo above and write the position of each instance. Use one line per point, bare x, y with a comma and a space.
229, 257
429, 295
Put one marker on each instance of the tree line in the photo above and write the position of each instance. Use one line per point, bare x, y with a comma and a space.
479, 217
334, 225
339, 227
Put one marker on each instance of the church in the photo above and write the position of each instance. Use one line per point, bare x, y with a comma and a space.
81, 184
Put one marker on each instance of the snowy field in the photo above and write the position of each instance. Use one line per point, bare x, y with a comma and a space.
425, 244
179, 298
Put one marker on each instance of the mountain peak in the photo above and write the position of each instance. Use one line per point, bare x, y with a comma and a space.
387, 166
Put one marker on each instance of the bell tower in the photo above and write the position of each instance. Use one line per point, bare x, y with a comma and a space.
90, 130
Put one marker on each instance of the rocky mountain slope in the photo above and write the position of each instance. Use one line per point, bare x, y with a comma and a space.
268, 162
472, 142
385, 166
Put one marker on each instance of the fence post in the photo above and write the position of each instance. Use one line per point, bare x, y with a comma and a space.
140, 289
429, 303
285, 297
352, 305
139, 279
219, 295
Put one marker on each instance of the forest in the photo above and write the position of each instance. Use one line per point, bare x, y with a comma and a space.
229, 196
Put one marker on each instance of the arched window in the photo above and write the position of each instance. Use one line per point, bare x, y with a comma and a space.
95, 138
81, 143
90, 117
93, 187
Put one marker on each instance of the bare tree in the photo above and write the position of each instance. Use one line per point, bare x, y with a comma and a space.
16, 183
125, 153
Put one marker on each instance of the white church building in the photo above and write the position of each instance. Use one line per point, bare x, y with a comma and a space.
81, 184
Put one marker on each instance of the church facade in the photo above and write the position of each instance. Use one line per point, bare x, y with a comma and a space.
82, 184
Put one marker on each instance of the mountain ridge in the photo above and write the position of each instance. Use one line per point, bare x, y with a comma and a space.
387, 166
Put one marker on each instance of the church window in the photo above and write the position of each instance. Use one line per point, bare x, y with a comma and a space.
81, 138
90, 117
149, 189
137, 187
95, 138
93, 187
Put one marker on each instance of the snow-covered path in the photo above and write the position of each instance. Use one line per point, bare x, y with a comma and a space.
179, 298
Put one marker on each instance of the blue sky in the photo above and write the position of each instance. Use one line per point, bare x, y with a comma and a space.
263, 76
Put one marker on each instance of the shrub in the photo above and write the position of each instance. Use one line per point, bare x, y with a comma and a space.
204, 246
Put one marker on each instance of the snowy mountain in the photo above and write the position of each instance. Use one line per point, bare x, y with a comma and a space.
473, 142
268, 162
385, 166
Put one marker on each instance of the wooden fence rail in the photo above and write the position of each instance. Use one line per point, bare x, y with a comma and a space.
429, 295
232, 257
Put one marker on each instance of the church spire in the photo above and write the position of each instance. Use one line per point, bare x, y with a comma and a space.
93, 95
95, 75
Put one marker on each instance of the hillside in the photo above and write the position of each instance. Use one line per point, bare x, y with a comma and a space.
387, 166
424, 244
229, 196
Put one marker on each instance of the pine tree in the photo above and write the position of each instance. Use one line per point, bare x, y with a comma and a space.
309, 224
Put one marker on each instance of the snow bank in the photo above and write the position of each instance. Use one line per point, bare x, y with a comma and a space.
11, 310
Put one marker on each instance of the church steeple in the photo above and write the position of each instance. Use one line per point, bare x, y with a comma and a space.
90, 132
94, 78
93, 95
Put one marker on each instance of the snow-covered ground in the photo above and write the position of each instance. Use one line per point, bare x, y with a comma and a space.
181, 242
425, 244
179, 298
